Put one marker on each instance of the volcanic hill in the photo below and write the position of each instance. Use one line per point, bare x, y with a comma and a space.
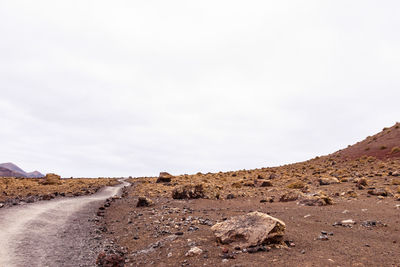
11, 170
383, 145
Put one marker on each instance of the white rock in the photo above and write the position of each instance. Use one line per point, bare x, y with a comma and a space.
194, 251
349, 221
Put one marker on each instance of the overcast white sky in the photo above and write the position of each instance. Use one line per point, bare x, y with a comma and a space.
119, 88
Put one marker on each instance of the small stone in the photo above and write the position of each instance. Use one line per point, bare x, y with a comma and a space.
328, 181
144, 202
265, 183
323, 237
194, 251
169, 255
230, 196
303, 251
379, 192
348, 222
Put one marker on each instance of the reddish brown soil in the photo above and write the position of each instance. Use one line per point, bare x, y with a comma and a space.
137, 229
384, 145
356, 246
162, 234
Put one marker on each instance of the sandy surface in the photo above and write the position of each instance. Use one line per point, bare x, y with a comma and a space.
50, 233
150, 234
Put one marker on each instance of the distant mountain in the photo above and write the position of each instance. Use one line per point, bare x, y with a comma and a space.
12, 167
4, 172
11, 170
34, 174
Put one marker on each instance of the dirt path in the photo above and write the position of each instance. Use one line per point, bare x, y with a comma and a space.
51, 233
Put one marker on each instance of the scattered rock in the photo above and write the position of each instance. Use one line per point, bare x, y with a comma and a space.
230, 196
265, 183
249, 230
328, 181
273, 176
164, 177
323, 238
296, 185
188, 192
144, 202
256, 249
361, 183
290, 196
194, 251
345, 223
395, 173
319, 199
372, 223
379, 192
111, 260
290, 243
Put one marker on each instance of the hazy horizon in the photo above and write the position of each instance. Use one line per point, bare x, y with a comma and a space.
92, 89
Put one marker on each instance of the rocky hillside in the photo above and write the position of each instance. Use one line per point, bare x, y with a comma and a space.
383, 145
11, 170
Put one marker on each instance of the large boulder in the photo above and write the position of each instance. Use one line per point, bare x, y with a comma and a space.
164, 177
249, 230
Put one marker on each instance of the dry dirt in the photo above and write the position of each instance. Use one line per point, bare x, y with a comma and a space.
360, 183
162, 234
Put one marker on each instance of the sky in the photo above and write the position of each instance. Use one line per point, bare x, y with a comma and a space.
132, 88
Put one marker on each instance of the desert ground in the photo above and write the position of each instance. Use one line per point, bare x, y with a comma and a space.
342, 209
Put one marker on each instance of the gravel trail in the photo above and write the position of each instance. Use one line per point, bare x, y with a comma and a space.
52, 233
